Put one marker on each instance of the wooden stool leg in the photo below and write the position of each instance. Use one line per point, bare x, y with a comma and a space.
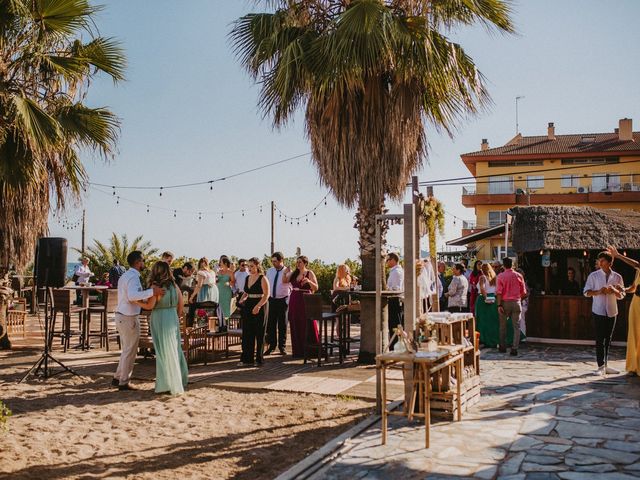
427, 404
459, 386
384, 404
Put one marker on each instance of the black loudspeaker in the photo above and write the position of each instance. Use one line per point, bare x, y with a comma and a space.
51, 262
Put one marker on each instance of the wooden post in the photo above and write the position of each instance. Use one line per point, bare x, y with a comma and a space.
380, 331
273, 226
410, 292
83, 232
410, 256
416, 203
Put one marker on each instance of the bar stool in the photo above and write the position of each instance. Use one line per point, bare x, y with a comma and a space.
62, 302
325, 343
107, 306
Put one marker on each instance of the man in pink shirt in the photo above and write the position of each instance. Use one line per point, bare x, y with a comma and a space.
510, 290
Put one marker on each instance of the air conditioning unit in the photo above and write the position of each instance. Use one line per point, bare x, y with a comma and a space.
583, 190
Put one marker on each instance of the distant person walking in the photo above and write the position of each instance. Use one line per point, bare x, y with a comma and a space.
127, 323
633, 335
606, 287
115, 272
510, 290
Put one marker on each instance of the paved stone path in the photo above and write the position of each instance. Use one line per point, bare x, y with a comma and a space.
543, 415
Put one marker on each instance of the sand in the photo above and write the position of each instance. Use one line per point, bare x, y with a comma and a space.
81, 427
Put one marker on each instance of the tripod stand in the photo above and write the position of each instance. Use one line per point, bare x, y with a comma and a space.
41, 367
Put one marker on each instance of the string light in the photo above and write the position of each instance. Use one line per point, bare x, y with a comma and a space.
243, 213
147, 208
161, 191
175, 214
211, 186
118, 201
199, 216
114, 190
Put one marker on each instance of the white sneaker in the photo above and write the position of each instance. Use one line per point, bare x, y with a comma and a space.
600, 371
612, 371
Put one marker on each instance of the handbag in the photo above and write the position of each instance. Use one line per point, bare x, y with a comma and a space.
74, 278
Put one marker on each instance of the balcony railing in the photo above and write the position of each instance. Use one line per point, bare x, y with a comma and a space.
469, 190
468, 224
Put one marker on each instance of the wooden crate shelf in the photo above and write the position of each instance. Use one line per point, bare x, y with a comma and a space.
444, 404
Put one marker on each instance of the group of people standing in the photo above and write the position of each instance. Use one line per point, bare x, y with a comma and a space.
270, 300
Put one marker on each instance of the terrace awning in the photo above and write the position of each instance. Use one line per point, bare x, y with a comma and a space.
474, 237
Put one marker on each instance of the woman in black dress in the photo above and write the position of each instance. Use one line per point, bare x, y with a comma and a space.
254, 299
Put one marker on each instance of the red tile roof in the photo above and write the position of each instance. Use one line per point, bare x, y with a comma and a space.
564, 144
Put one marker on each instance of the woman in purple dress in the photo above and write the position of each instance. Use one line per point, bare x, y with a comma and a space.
303, 281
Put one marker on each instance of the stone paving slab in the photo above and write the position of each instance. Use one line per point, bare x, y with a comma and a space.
542, 415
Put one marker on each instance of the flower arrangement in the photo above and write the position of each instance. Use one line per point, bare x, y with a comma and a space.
426, 332
201, 318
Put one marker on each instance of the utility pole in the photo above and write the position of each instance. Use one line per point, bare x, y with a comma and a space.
273, 226
518, 98
83, 230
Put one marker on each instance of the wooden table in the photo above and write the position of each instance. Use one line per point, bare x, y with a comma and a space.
85, 289
424, 364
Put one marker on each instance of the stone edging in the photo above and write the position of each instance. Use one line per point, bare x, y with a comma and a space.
318, 459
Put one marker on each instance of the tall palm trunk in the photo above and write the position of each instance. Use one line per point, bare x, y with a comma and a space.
366, 225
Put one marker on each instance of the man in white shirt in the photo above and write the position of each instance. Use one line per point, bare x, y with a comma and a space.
278, 305
606, 287
241, 276
127, 322
395, 282
82, 272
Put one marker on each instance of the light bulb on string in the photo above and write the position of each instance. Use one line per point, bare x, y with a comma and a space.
118, 201
222, 216
114, 190
298, 223
306, 219
325, 201
314, 213
260, 208
147, 208
243, 213
211, 186
199, 215
175, 214
161, 191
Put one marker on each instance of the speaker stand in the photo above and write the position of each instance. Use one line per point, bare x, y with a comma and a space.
41, 367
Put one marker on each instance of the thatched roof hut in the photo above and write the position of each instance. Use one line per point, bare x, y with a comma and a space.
573, 228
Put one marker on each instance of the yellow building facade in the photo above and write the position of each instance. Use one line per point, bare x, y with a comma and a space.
601, 170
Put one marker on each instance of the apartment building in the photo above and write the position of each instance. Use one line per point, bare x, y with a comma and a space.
596, 169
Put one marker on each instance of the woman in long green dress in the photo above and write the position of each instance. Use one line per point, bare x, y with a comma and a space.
487, 320
225, 283
172, 373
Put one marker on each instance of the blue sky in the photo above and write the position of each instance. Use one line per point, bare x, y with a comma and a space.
189, 113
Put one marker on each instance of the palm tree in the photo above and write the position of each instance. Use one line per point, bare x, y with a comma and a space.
371, 74
49, 53
101, 256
